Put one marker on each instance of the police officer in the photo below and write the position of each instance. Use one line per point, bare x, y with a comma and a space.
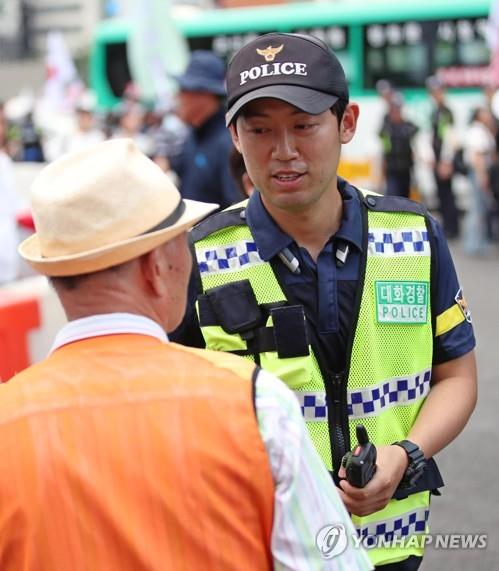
397, 135
442, 121
350, 297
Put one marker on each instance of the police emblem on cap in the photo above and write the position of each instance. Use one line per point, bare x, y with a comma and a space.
270, 52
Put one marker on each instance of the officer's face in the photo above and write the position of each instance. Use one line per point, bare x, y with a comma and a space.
291, 156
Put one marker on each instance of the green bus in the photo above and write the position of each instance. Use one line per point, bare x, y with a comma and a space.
401, 41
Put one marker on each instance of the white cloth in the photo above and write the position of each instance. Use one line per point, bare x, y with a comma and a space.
480, 140
80, 140
305, 497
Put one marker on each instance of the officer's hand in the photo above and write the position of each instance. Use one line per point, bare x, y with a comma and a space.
391, 465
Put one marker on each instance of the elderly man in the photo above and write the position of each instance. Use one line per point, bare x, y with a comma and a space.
122, 451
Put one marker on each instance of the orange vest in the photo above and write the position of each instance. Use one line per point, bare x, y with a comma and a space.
123, 453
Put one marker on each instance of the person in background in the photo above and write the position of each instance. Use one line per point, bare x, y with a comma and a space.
122, 451
238, 171
168, 134
397, 136
85, 133
350, 297
31, 141
442, 122
493, 177
131, 125
203, 166
387, 92
479, 153
491, 96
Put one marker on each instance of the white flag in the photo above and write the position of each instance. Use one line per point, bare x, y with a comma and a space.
62, 83
156, 49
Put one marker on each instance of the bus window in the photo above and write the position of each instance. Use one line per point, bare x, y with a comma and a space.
461, 42
226, 45
407, 53
395, 52
117, 70
336, 37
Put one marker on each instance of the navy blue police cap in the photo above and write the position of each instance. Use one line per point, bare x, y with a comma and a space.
296, 68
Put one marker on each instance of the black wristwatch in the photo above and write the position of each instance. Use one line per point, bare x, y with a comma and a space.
417, 463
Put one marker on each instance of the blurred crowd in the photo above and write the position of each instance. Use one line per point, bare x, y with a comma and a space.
470, 153
188, 139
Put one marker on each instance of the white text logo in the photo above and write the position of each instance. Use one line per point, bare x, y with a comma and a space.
266, 70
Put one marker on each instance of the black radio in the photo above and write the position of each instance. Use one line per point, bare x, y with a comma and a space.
360, 464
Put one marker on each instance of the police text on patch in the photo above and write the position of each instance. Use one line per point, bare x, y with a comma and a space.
401, 302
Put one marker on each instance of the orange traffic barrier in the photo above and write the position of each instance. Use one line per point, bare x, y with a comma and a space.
18, 316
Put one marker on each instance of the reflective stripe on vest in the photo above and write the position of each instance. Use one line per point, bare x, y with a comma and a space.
386, 242
386, 385
233, 257
371, 400
401, 526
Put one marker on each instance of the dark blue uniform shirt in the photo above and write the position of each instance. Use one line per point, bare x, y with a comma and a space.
203, 165
327, 290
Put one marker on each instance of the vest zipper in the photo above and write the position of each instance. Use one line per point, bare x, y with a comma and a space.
339, 432
339, 429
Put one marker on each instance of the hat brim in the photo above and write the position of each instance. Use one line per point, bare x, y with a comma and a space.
114, 254
187, 83
308, 100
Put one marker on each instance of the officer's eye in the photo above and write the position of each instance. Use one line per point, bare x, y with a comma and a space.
258, 130
305, 126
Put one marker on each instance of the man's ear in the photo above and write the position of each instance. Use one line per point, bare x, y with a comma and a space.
153, 270
234, 135
349, 122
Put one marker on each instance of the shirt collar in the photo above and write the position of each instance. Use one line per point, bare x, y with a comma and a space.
107, 324
350, 228
270, 239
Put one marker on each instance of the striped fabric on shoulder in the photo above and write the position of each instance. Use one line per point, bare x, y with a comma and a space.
244, 368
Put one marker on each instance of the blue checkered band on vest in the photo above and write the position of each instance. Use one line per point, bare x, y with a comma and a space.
235, 256
370, 400
401, 526
410, 242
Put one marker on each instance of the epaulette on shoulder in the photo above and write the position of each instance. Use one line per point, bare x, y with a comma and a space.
218, 221
380, 203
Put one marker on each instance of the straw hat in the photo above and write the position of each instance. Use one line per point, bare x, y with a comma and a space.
103, 206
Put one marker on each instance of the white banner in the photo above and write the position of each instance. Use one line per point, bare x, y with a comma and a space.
156, 50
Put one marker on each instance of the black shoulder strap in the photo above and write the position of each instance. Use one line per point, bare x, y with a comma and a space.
195, 274
433, 273
393, 204
218, 221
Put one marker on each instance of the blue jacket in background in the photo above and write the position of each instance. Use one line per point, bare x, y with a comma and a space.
203, 166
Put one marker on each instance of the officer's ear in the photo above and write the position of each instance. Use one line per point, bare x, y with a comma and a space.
234, 135
349, 122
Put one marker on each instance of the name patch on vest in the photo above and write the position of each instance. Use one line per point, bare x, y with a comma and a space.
402, 302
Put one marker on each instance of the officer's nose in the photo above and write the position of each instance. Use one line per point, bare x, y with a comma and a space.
284, 148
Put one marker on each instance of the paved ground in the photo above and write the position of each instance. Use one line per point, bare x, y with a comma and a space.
470, 466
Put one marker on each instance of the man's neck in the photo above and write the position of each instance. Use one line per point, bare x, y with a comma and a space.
311, 228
